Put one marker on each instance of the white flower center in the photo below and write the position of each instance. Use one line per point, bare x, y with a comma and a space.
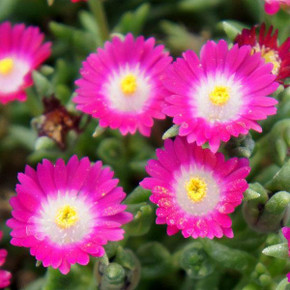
217, 98
197, 191
12, 73
128, 90
65, 219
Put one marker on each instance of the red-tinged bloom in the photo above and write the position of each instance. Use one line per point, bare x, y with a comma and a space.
220, 95
195, 189
74, 1
267, 44
64, 213
121, 84
21, 51
273, 6
286, 233
5, 276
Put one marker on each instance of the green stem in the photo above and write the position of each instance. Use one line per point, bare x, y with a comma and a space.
96, 7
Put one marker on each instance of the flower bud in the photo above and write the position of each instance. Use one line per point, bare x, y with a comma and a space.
265, 214
113, 277
127, 259
196, 262
242, 146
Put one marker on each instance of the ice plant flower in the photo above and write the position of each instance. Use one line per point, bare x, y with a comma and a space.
64, 213
21, 51
273, 6
286, 233
195, 189
121, 84
5, 276
221, 95
267, 45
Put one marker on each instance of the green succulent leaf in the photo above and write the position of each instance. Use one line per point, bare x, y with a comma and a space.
277, 251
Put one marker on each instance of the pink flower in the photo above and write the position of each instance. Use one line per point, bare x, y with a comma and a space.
21, 51
121, 84
74, 1
286, 233
64, 213
195, 189
5, 276
267, 45
273, 6
221, 95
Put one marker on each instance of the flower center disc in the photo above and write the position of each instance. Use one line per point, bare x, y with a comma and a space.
129, 84
6, 65
196, 189
269, 55
66, 217
220, 95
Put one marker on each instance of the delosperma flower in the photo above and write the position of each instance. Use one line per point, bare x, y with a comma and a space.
64, 213
267, 45
21, 51
273, 6
221, 95
286, 233
5, 276
195, 189
121, 84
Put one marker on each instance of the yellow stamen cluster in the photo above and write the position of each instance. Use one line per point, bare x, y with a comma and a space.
6, 65
269, 55
196, 189
220, 95
66, 216
129, 84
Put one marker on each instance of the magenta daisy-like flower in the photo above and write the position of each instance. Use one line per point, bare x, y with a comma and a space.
273, 6
64, 213
267, 45
195, 189
5, 276
21, 51
221, 95
121, 84
286, 233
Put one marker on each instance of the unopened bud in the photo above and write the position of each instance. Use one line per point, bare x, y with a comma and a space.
196, 262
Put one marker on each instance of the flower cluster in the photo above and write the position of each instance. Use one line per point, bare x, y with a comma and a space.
66, 213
